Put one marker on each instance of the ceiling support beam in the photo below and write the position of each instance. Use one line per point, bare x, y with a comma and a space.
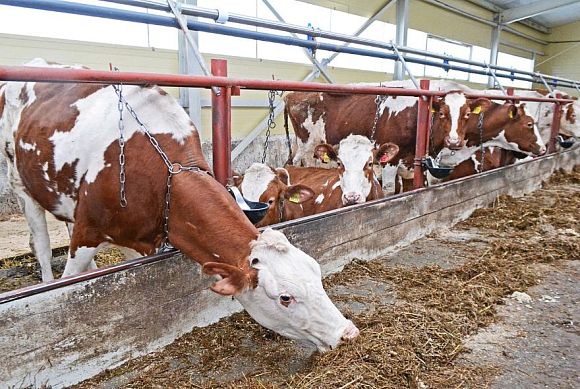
495, 39
494, 8
534, 9
401, 37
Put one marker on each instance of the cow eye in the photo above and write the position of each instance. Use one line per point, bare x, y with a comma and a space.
339, 163
255, 261
271, 201
467, 114
285, 299
530, 124
370, 164
441, 115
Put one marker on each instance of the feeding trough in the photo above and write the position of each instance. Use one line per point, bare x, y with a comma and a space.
565, 143
255, 211
436, 170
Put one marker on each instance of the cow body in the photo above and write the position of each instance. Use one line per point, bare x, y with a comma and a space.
319, 117
61, 142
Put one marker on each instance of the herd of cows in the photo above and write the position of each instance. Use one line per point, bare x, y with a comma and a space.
61, 144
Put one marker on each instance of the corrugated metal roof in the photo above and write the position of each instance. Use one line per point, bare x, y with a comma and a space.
553, 18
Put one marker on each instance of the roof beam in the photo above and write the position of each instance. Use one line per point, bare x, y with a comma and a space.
534, 9
527, 22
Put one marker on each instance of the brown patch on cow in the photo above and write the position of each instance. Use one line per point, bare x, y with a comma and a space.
23, 97
569, 113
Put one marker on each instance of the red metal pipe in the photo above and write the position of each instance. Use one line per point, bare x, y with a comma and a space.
221, 125
29, 73
555, 127
423, 119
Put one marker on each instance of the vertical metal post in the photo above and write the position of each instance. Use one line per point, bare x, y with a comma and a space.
401, 37
221, 125
555, 126
423, 119
503, 152
495, 38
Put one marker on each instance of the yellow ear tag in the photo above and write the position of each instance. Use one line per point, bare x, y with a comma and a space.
511, 114
325, 158
476, 110
295, 198
432, 110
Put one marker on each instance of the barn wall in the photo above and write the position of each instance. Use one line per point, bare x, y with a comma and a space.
562, 58
73, 332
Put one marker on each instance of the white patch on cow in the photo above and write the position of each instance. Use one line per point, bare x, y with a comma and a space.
96, 127
455, 101
86, 193
27, 146
404, 171
82, 260
325, 184
316, 135
396, 105
355, 152
216, 255
45, 171
65, 208
48, 188
335, 185
38, 152
389, 174
501, 141
320, 96
108, 165
256, 181
449, 157
284, 269
319, 199
476, 162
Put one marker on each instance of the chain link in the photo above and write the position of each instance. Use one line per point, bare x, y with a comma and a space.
271, 120
378, 101
480, 127
173, 168
122, 176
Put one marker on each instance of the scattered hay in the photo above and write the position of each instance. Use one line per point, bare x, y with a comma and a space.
409, 344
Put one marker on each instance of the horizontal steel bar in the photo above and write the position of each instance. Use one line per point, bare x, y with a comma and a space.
48, 74
112, 13
242, 19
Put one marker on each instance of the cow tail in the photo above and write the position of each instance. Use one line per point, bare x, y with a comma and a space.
290, 157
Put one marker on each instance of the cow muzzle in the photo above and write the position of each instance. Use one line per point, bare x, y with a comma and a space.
351, 198
454, 144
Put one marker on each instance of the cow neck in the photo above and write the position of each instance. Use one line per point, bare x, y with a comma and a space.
437, 138
206, 223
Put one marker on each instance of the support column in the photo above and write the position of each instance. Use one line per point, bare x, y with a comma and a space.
423, 126
495, 38
221, 125
555, 126
401, 38
190, 97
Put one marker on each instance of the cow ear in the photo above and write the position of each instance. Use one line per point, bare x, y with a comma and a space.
512, 111
386, 153
299, 193
234, 281
325, 153
436, 105
479, 105
283, 175
237, 178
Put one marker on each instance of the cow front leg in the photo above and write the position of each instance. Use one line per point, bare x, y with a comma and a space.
39, 240
80, 258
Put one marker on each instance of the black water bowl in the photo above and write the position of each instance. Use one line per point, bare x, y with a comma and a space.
519, 155
565, 143
436, 170
255, 211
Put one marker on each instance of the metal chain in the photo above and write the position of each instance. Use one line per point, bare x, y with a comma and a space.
122, 177
480, 127
431, 145
271, 120
173, 168
378, 101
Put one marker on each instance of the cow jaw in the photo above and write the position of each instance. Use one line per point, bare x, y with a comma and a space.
289, 298
355, 153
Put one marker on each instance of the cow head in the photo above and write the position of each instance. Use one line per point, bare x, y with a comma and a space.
509, 126
272, 186
355, 158
282, 290
569, 121
451, 115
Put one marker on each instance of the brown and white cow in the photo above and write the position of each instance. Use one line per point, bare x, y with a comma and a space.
505, 126
315, 189
61, 141
319, 117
